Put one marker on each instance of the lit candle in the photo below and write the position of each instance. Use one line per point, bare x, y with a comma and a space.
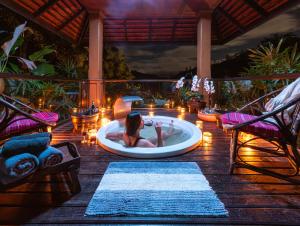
207, 137
199, 124
182, 110
49, 129
245, 136
151, 113
180, 117
172, 104
104, 121
40, 103
92, 136
167, 105
179, 108
92, 133
151, 106
103, 110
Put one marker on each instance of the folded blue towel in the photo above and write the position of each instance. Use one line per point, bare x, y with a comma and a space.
33, 146
50, 157
19, 165
32, 136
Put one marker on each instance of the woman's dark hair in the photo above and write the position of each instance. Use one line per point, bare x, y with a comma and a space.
133, 121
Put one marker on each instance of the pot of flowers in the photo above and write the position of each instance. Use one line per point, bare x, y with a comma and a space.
196, 103
188, 94
209, 114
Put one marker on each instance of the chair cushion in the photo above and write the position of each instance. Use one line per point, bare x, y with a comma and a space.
258, 128
21, 123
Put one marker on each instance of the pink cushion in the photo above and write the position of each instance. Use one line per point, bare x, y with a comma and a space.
258, 128
21, 123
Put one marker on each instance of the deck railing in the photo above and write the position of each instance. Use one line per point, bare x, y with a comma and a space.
230, 92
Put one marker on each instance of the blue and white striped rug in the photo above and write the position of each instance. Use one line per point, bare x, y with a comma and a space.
155, 189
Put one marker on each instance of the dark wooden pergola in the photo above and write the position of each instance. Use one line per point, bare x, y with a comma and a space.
148, 20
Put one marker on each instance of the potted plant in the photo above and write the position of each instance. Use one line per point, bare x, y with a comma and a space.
208, 114
10, 61
189, 95
210, 89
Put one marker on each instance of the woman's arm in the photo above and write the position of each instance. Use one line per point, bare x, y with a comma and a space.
146, 144
159, 134
114, 136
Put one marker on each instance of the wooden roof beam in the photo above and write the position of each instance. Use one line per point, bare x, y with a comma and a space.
174, 29
150, 30
70, 19
84, 28
254, 5
17, 9
44, 7
125, 28
231, 19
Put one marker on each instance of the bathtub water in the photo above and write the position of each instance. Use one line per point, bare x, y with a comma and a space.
185, 138
148, 132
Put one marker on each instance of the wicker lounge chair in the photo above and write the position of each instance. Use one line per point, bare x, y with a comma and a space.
269, 126
18, 118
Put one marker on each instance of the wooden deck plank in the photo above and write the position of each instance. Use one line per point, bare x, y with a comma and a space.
251, 198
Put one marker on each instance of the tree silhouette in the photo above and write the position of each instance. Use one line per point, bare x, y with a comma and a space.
114, 64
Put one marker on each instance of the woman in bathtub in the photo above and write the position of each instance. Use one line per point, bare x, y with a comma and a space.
131, 136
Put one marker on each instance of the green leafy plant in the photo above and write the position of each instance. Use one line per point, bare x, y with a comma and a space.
44, 67
10, 47
271, 59
291, 60
9, 62
67, 66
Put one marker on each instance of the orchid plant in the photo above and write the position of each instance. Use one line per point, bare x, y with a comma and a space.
186, 92
210, 89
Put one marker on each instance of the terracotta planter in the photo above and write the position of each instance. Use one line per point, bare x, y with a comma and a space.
194, 105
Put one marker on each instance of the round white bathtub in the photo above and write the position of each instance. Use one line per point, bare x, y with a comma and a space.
187, 137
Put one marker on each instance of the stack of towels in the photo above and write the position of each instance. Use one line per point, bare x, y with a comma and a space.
22, 155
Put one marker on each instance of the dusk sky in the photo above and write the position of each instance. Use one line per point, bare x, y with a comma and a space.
169, 59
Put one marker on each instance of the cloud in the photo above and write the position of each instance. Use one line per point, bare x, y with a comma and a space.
162, 59
287, 22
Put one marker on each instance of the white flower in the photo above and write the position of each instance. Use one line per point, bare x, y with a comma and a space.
195, 83
180, 83
230, 87
245, 85
209, 86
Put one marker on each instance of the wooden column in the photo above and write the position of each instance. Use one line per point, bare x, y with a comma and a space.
96, 83
204, 48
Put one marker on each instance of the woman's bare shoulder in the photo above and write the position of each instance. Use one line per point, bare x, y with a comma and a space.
114, 136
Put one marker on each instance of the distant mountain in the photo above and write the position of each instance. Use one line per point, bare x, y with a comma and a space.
141, 75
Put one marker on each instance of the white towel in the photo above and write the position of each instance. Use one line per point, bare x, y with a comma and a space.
289, 93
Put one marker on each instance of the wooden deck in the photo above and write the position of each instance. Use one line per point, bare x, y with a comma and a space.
250, 198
